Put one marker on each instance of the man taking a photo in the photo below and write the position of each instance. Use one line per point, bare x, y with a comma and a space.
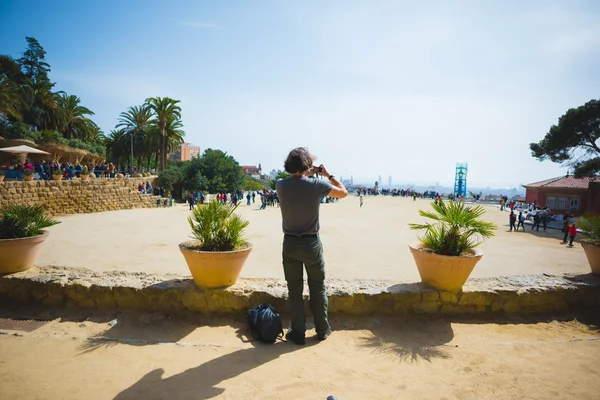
300, 198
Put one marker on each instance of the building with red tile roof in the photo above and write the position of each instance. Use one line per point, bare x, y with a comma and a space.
566, 194
252, 170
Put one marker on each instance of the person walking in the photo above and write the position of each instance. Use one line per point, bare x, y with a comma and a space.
572, 233
361, 200
521, 221
566, 223
512, 218
536, 221
299, 197
263, 200
545, 218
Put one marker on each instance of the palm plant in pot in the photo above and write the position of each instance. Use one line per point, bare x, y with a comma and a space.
57, 175
2, 174
219, 250
85, 175
590, 225
28, 175
21, 235
447, 253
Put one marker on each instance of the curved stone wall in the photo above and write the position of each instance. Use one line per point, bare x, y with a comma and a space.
82, 288
77, 196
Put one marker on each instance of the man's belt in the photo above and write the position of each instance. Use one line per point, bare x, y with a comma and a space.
305, 236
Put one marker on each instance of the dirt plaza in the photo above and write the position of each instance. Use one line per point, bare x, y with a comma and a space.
360, 243
119, 355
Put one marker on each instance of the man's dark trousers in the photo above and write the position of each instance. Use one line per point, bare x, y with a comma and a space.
299, 253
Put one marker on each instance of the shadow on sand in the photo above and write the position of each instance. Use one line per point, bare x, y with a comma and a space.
412, 341
201, 381
149, 329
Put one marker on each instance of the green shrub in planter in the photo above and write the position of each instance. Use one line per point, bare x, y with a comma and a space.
456, 228
18, 221
590, 225
217, 228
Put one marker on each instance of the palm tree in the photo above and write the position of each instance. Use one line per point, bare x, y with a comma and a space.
163, 108
11, 94
41, 104
117, 146
174, 134
10, 100
71, 118
136, 122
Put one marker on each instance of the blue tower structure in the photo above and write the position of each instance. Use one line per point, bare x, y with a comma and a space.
460, 180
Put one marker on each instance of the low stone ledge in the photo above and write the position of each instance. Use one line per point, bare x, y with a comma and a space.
82, 288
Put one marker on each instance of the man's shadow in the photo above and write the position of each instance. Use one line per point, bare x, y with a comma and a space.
201, 382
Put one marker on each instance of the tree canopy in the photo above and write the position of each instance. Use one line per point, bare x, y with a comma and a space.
280, 175
166, 111
33, 61
252, 184
573, 141
30, 108
215, 171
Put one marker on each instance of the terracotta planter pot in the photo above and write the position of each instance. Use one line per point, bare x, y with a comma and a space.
57, 177
444, 272
214, 269
1, 178
593, 255
84, 177
19, 254
28, 178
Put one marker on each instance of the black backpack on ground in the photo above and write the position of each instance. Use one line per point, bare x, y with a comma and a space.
265, 322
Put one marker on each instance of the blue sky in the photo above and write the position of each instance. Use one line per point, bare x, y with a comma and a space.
406, 89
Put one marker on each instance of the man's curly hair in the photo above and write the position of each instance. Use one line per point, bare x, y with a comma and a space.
299, 160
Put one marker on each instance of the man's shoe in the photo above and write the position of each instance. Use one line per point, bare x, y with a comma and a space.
323, 336
295, 337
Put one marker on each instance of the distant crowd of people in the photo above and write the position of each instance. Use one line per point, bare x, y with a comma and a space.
46, 169
539, 216
268, 198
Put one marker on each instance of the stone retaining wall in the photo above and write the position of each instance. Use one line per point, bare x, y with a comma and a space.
77, 196
82, 288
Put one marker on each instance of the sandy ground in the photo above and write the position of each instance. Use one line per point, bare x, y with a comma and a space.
154, 356
360, 243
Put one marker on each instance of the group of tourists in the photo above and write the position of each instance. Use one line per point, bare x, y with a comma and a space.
538, 216
269, 198
104, 170
195, 198
428, 194
46, 169
146, 188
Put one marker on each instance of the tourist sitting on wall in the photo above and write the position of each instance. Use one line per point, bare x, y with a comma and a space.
28, 166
